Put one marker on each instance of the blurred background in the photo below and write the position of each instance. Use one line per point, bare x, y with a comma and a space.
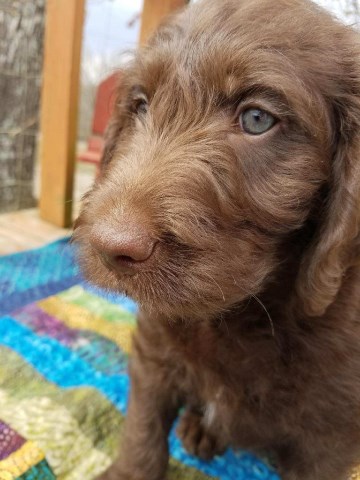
109, 31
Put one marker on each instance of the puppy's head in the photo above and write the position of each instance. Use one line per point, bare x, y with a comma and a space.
235, 128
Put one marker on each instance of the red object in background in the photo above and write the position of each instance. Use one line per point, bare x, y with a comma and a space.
104, 104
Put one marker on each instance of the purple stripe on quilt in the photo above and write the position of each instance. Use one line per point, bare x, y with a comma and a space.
44, 324
99, 352
10, 441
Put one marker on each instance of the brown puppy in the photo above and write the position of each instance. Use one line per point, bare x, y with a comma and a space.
228, 207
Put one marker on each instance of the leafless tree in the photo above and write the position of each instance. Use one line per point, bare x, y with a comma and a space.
21, 46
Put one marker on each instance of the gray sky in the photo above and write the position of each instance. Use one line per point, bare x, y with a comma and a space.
106, 29
106, 33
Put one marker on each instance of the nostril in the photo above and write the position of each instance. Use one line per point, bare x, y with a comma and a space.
124, 258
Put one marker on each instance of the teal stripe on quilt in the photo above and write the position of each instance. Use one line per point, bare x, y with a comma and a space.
41, 471
59, 364
28, 270
99, 352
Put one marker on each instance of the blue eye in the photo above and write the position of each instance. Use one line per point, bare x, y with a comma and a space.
256, 121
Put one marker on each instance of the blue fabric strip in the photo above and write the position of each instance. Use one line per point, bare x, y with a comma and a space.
17, 256
19, 299
29, 276
27, 270
232, 465
26, 277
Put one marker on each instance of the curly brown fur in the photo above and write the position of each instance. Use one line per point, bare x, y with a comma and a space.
249, 304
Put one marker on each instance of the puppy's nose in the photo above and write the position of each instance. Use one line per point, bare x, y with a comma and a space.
126, 248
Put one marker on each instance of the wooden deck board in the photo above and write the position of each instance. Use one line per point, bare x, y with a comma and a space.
24, 230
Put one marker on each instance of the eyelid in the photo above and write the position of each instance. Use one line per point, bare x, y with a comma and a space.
140, 96
136, 90
266, 97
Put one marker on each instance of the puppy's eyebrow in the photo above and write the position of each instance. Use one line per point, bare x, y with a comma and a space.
137, 91
242, 93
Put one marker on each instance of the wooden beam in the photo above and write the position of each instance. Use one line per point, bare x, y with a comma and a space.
153, 12
62, 56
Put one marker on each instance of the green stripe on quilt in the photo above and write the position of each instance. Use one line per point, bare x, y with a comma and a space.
84, 403
57, 434
96, 305
76, 428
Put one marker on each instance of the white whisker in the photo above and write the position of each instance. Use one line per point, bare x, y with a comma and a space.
267, 313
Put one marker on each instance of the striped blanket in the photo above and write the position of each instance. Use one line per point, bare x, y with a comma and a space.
64, 348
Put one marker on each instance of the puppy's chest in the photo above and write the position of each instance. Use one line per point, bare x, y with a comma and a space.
222, 373
213, 363
203, 348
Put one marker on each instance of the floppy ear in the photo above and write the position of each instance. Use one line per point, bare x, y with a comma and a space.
336, 245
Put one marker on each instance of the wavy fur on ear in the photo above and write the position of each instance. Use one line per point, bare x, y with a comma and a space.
334, 249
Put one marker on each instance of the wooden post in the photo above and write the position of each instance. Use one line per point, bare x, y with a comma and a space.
63, 38
153, 12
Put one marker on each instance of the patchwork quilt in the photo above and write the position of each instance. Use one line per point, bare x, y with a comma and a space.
64, 348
